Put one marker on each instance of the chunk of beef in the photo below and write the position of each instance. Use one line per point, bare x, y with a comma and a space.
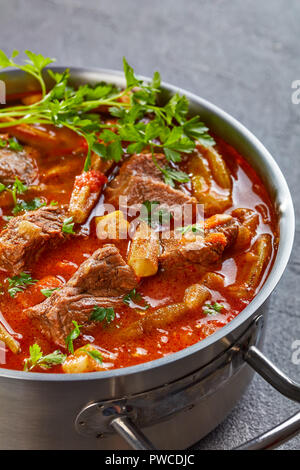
20, 163
104, 274
103, 279
26, 236
140, 180
223, 223
220, 232
205, 251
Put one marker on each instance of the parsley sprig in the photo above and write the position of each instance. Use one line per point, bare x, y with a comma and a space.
194, 228
142, 121
16, 188
101, 314
68, 225
154, 214
132, 297
38, 359
11, 143
93, 353
34, 65
213, 309
48, 292
26, 206
74, 334
19, 283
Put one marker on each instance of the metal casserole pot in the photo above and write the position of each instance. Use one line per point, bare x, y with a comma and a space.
191, 390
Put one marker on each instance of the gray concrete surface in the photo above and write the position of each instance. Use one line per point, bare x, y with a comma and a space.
240, 54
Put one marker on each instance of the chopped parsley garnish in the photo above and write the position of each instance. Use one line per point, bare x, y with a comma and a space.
68, 225
153, 215
132, 297
19, 283
48, 292
212, 309
171, 175
16, 188
32, 205
195, 228
94, 354
74, 334
170, 130
101, 314
11, 143
45, 362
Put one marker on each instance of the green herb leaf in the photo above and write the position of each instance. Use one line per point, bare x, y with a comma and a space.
100, 314
171, 176
142, 121
34, 65
96, 355
74, 334
195, 228
32, 205
156, 81
38, 359
19, 283
131, 79
13, 144
68, 225
172, 155
212, 309
133, 296
154, 215
19, 187
48, 292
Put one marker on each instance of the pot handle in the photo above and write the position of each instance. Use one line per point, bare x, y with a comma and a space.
287, 387
268, 440
272, 374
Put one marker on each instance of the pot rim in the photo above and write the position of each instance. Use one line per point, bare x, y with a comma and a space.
286, 218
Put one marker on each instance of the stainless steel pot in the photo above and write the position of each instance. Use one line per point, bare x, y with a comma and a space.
191, 390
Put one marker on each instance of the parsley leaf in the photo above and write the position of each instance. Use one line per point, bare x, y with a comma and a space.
11, 143
48, 292
101, 313
28, 205
74, 334
19, 283
153, 215
195, 228
68, 225
34, 65
38, 359
212, 309
132, 296
131, 79
94, 354
171, 175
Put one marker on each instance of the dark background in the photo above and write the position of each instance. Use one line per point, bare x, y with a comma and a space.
240, 54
